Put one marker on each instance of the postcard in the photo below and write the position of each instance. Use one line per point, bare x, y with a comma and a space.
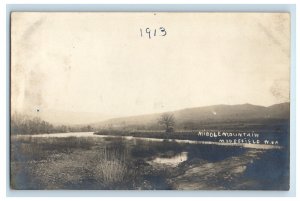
150, 101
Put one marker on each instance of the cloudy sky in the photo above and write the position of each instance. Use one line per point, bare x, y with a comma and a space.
99, 63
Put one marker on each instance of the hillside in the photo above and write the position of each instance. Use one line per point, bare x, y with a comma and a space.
217, 114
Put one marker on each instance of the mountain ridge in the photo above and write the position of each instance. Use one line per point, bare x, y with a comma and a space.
215, 113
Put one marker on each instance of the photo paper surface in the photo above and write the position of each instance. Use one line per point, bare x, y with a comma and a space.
149, 101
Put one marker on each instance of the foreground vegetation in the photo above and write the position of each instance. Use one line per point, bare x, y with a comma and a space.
111, 163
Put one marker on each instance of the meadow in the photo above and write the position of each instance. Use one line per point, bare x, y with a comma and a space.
116, 163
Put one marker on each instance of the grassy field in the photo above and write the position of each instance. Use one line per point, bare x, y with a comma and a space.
111, 163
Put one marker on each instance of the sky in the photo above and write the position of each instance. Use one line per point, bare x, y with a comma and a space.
100, 63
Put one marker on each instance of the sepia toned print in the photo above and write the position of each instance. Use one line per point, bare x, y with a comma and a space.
150, 101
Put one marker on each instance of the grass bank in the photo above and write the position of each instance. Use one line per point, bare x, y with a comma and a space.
115, 163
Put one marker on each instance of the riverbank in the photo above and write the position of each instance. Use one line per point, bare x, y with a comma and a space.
150, 138
93, 162
229, 138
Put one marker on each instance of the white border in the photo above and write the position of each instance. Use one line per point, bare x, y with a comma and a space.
4, 87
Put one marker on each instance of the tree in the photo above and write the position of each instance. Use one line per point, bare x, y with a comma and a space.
168, 121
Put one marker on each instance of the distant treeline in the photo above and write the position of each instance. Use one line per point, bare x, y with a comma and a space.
229, 125
23, 124
228, 136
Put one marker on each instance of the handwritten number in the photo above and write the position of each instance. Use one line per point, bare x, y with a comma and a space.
148, 32
163, 31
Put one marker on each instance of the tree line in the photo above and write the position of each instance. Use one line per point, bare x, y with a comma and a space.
23, 124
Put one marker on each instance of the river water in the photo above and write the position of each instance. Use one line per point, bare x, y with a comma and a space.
91, 134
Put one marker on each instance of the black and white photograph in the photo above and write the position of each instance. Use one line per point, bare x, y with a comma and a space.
150, 101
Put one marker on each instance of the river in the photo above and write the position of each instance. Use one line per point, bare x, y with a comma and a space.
91, 134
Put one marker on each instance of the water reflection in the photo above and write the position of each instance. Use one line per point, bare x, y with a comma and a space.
171, 161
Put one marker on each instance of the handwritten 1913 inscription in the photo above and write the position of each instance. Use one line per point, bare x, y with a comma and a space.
153, 32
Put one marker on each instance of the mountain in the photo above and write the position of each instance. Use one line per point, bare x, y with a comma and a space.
216, 114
